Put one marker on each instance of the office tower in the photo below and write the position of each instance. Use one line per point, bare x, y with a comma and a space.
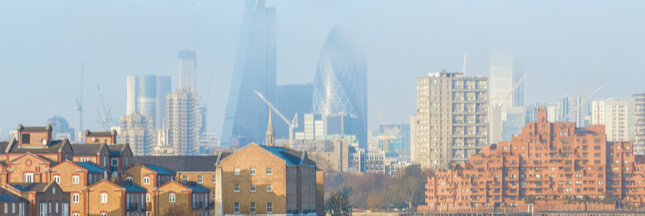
396, 135
254, 70
413, 138
61, 129
138, 131
147, 96
451, 118
532, 112
187, 70
313, 126
506, 90
183, 122
515, 120
638, 123
340, 84
614, 114
292, 99
573, 109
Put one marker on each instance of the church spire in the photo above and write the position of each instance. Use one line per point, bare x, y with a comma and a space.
270, 134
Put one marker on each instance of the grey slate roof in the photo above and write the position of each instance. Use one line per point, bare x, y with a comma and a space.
34, 129
196, 187
53, 148
24, 187
116, 149
8, 196
3, 146
180, 163
91, 167
86, 149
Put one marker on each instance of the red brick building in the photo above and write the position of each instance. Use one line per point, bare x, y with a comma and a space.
549, 163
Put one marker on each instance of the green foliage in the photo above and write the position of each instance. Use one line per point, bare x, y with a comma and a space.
337, 204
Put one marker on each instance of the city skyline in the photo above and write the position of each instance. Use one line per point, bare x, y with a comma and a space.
29, 54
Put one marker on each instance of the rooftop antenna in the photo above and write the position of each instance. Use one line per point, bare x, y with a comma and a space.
465, 60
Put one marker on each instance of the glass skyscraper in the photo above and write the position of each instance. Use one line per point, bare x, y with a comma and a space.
340, 84
246, 115
146, 95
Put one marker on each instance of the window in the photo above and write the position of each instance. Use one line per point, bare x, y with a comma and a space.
104, 198
21, 209
75, 179
128, 178
214, 179
200, 179
29, 177
236, 188
236, 208
269, 208
252, 171
171, 197
43, 208
57, 179
269, 188
115, 164
65, 208
236, 171
269, 171
147, 198
104, 214
75, 214
26, 138
75, 198
252, 208
56, 208
6, 208
185, 178
252, 188
146, 180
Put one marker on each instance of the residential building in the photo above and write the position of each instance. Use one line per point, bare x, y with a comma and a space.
452, 121
45, 198
183, 122
547, 166
12, 203
506, 90
74, 177
138, 131
116, 198
98, 137
182, 199
638, 123
254, 70
614, 114
208, 141
573, 109
187, 70
336, 159
340, 85
146, 95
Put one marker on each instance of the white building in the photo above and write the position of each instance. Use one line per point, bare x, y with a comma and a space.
505, 90
615, 115
187, 70
146, 95
638, 123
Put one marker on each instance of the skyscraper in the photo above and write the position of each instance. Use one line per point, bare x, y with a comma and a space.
183, 122
254, 70
638, 123
506, 90
187, 70
573, 109
614, 114
147, 96
451, 118
293, 99
138, 131
340, 84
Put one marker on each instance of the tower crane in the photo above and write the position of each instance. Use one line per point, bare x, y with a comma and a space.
386, 146
292, 125
79, 107
517, 84
103, 119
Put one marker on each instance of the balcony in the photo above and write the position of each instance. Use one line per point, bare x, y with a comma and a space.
198, 205
132, 206
210, 205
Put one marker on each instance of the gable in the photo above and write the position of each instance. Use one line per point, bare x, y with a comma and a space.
173, 186
29, 159
251, 154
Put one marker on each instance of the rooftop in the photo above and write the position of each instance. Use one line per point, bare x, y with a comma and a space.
180, 163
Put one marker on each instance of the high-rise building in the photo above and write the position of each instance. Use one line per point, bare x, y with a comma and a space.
506, 90
292, 100
413, 138
254, 70
138, 131
147, 96
187, 70
313, 126
340, 84
532, 112
451, 118
614, 114
515, 120
573, 109
397, 137
183, 122
638, 123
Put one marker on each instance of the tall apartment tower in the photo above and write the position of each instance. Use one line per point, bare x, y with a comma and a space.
614, 114
573, 109
183, 121
138, 131
452, 115
506, 90
187, 70
638, 123
146, 95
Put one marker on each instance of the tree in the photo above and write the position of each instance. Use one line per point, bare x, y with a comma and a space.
338, 204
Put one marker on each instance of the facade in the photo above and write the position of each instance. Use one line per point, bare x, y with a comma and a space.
138, 131
293, 100
147, 96
638, 123
187, 70
506, 90
573, 109
336, 159
340, 84
614, 114
183, 122
254, 70
451, 118
548, 165
515, 120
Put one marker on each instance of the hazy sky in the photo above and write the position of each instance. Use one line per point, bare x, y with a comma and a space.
562, 44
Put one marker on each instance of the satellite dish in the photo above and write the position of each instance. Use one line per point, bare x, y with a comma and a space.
93, 139
44, 142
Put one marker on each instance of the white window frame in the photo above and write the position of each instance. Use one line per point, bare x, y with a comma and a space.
236, 171
252, 207
147, 198
269, 188
172, 198
76, 179
200, 179
75, 198
269, 171
29, 177
269, 208
146, 180
104, 198
252, 188
252, 171
236, 208
57, 179
236, 188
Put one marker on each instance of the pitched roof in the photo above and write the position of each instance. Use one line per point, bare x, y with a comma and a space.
180, 163
91, 167
8, 196
159, 169
86, 149
283, 153
99, 133
54, 147
131, 187
3, 146
34, 129
116, 149
25, 187
196, 187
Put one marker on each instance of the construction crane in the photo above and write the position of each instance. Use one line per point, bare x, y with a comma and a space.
517, 84
386, 146
79, 107
106, 118
292, 125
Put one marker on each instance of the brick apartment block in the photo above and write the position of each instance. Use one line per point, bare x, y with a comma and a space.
548, 165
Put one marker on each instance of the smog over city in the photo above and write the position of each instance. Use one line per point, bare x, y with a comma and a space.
387, 101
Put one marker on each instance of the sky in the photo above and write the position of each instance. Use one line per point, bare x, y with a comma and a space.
562, 45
